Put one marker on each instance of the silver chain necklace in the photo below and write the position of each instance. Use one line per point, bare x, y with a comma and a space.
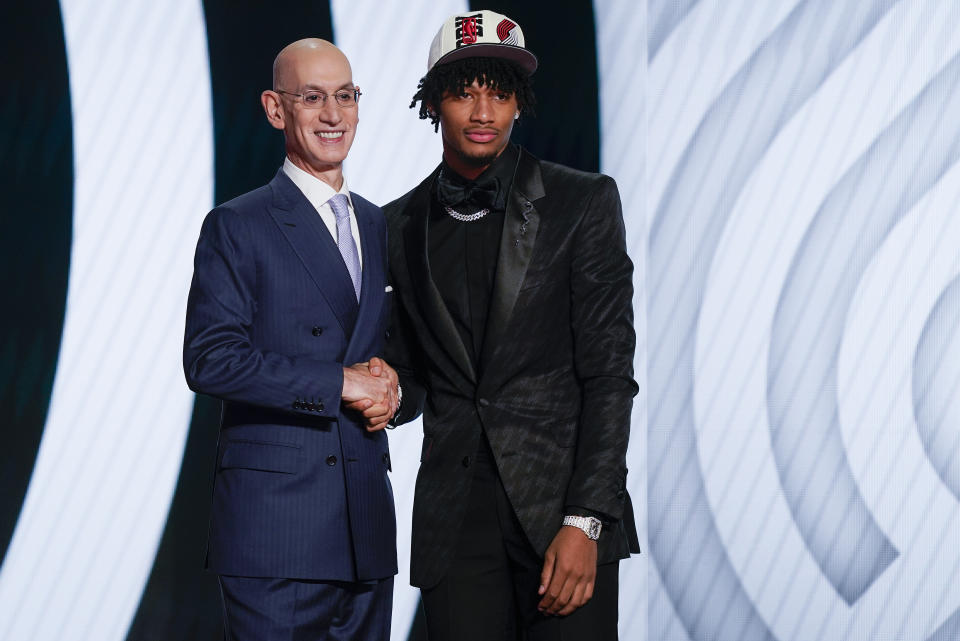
466, 218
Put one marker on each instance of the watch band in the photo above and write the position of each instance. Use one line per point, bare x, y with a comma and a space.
590, 525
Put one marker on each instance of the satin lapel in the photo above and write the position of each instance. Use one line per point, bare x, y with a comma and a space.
434, 309
520, 225
372, 276
311, 240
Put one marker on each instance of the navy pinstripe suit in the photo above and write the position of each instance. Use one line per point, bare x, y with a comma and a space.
301, 488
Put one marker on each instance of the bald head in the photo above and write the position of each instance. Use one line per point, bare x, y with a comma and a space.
313, 101
303, 52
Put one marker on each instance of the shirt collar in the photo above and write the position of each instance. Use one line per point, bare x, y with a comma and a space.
316, 191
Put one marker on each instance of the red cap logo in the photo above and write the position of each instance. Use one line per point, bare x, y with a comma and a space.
504, 28
469, 27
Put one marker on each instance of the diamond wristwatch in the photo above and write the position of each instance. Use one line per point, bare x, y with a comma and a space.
591, 526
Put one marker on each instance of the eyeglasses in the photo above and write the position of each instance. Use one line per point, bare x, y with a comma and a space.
318, 99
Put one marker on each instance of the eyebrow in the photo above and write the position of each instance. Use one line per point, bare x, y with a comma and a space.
485, 88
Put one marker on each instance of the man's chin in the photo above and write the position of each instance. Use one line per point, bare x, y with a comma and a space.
479, 160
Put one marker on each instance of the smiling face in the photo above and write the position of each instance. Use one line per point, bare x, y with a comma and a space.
475, 126
317, 140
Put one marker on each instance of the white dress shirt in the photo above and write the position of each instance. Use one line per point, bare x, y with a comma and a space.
318, 193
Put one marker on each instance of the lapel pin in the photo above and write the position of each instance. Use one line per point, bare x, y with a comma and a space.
527, 206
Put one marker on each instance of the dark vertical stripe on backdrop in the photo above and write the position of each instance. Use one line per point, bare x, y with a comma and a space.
36, 180
181, 600
566, 128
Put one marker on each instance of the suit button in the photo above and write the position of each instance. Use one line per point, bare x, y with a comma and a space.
331, 460
385, 457
317, 331
620, 494
296, 405
484, 402
310, 406
466, 461
319, 406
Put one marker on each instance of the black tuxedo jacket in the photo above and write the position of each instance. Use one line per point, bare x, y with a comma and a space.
557, 385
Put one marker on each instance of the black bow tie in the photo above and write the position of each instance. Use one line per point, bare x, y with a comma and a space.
454, 193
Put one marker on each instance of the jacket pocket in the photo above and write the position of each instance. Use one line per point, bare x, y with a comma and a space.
261, 456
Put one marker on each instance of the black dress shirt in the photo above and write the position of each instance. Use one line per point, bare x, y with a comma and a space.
463, 255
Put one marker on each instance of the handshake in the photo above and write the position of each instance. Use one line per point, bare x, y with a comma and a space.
371, 389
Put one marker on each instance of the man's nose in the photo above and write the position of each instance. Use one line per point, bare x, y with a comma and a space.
330, 112
482, 110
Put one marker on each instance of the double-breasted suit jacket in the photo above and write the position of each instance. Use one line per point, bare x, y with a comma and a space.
555, 384
301, 488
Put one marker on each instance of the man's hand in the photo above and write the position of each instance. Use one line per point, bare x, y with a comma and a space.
569, 572
379, 367
371, 389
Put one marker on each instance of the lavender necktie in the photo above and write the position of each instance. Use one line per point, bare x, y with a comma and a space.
348, 248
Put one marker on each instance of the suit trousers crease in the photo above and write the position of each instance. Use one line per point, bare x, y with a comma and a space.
489, 592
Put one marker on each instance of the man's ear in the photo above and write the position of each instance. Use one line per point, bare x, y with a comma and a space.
273, 108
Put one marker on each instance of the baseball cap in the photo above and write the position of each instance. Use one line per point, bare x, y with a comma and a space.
480, 34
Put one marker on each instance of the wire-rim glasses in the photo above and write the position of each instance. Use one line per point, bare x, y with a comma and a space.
318, 99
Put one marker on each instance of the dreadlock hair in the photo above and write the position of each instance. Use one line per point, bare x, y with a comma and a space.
496, 73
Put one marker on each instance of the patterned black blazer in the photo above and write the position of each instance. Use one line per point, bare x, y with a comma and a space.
557, 386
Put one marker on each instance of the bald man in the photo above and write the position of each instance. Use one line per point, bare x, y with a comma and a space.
287, 311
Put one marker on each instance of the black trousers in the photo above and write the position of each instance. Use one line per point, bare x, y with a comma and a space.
490, 591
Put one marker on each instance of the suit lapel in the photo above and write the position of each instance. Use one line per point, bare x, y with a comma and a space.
372, 277
311, 240
520, 226
434, 309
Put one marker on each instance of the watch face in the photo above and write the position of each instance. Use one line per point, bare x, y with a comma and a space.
594, 528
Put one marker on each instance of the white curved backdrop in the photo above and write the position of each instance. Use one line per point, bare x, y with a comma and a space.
789, 174
119, 412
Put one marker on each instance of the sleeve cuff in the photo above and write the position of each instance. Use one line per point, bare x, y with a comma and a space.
576, 510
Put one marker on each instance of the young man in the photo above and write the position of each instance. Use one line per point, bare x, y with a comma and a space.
286, 312
513, 308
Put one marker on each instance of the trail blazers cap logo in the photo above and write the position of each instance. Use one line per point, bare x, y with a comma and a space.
509, 33
464, 36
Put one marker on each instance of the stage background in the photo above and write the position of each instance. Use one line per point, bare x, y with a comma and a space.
790, 184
